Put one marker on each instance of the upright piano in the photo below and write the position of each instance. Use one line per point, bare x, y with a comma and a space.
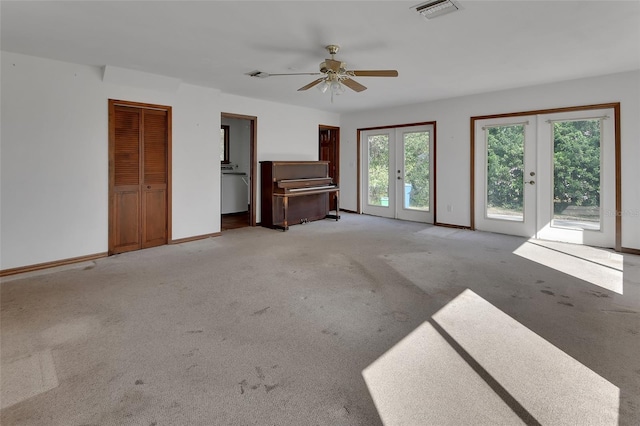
294, 192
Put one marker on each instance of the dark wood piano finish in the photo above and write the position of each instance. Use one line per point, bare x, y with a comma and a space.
295, 192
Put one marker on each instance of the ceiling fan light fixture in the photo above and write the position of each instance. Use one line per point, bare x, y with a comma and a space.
323, 87
336, 88
335, 77
435, 8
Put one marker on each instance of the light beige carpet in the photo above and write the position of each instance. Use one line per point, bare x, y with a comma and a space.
358, 322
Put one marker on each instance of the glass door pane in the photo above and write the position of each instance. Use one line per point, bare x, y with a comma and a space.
576, 174
415, 194
396, 175
505, 172
378, 170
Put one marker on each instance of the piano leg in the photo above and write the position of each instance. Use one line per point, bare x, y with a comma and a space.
285, 204
337, 215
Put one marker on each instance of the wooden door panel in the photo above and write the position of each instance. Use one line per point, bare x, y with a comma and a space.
329, 150
155, 147
125, 158
126, 215
126, 149
154, 188
154, 218
139, 146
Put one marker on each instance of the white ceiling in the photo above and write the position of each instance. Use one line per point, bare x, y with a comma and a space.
486, 46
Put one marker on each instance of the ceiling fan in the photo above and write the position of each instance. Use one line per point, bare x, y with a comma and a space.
334, 75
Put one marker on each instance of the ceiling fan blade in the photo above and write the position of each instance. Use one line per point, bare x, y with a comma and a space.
375, 73
297, 73
310, 85
353, 85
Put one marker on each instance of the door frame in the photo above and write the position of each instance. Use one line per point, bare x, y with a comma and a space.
527, 225
617, 138
253, 147
336, 131
432, 159
112, 103
337, 147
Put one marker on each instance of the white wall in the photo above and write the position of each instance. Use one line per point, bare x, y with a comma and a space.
453, 138
54, 143
284, 132
54, 153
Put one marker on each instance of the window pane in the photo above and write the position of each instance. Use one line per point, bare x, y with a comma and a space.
416, 171
576, 174
505, 165
378, 170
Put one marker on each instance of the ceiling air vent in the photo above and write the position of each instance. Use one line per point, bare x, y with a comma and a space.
434, 8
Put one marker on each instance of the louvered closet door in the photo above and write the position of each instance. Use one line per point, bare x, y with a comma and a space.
154, 176
139, 179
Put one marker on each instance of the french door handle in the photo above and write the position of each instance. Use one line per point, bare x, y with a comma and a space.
399, 177
532, 182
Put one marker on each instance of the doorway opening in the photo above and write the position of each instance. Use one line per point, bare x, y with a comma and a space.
238, 171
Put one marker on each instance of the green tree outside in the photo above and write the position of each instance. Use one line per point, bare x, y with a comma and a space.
378, 169
416, 168
576, 169
576, 172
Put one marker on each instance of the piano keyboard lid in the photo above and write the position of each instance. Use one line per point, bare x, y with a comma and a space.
302, 183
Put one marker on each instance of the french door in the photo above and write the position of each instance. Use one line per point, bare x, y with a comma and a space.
548, 176
398, 172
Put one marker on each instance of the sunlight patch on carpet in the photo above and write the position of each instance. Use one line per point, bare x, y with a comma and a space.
26, 377
599, 267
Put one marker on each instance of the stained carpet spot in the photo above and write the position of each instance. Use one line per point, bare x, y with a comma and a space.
550, 293
194, 331
565, 303
618, 311
139, 382
270, 388
261, 311
539, 281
